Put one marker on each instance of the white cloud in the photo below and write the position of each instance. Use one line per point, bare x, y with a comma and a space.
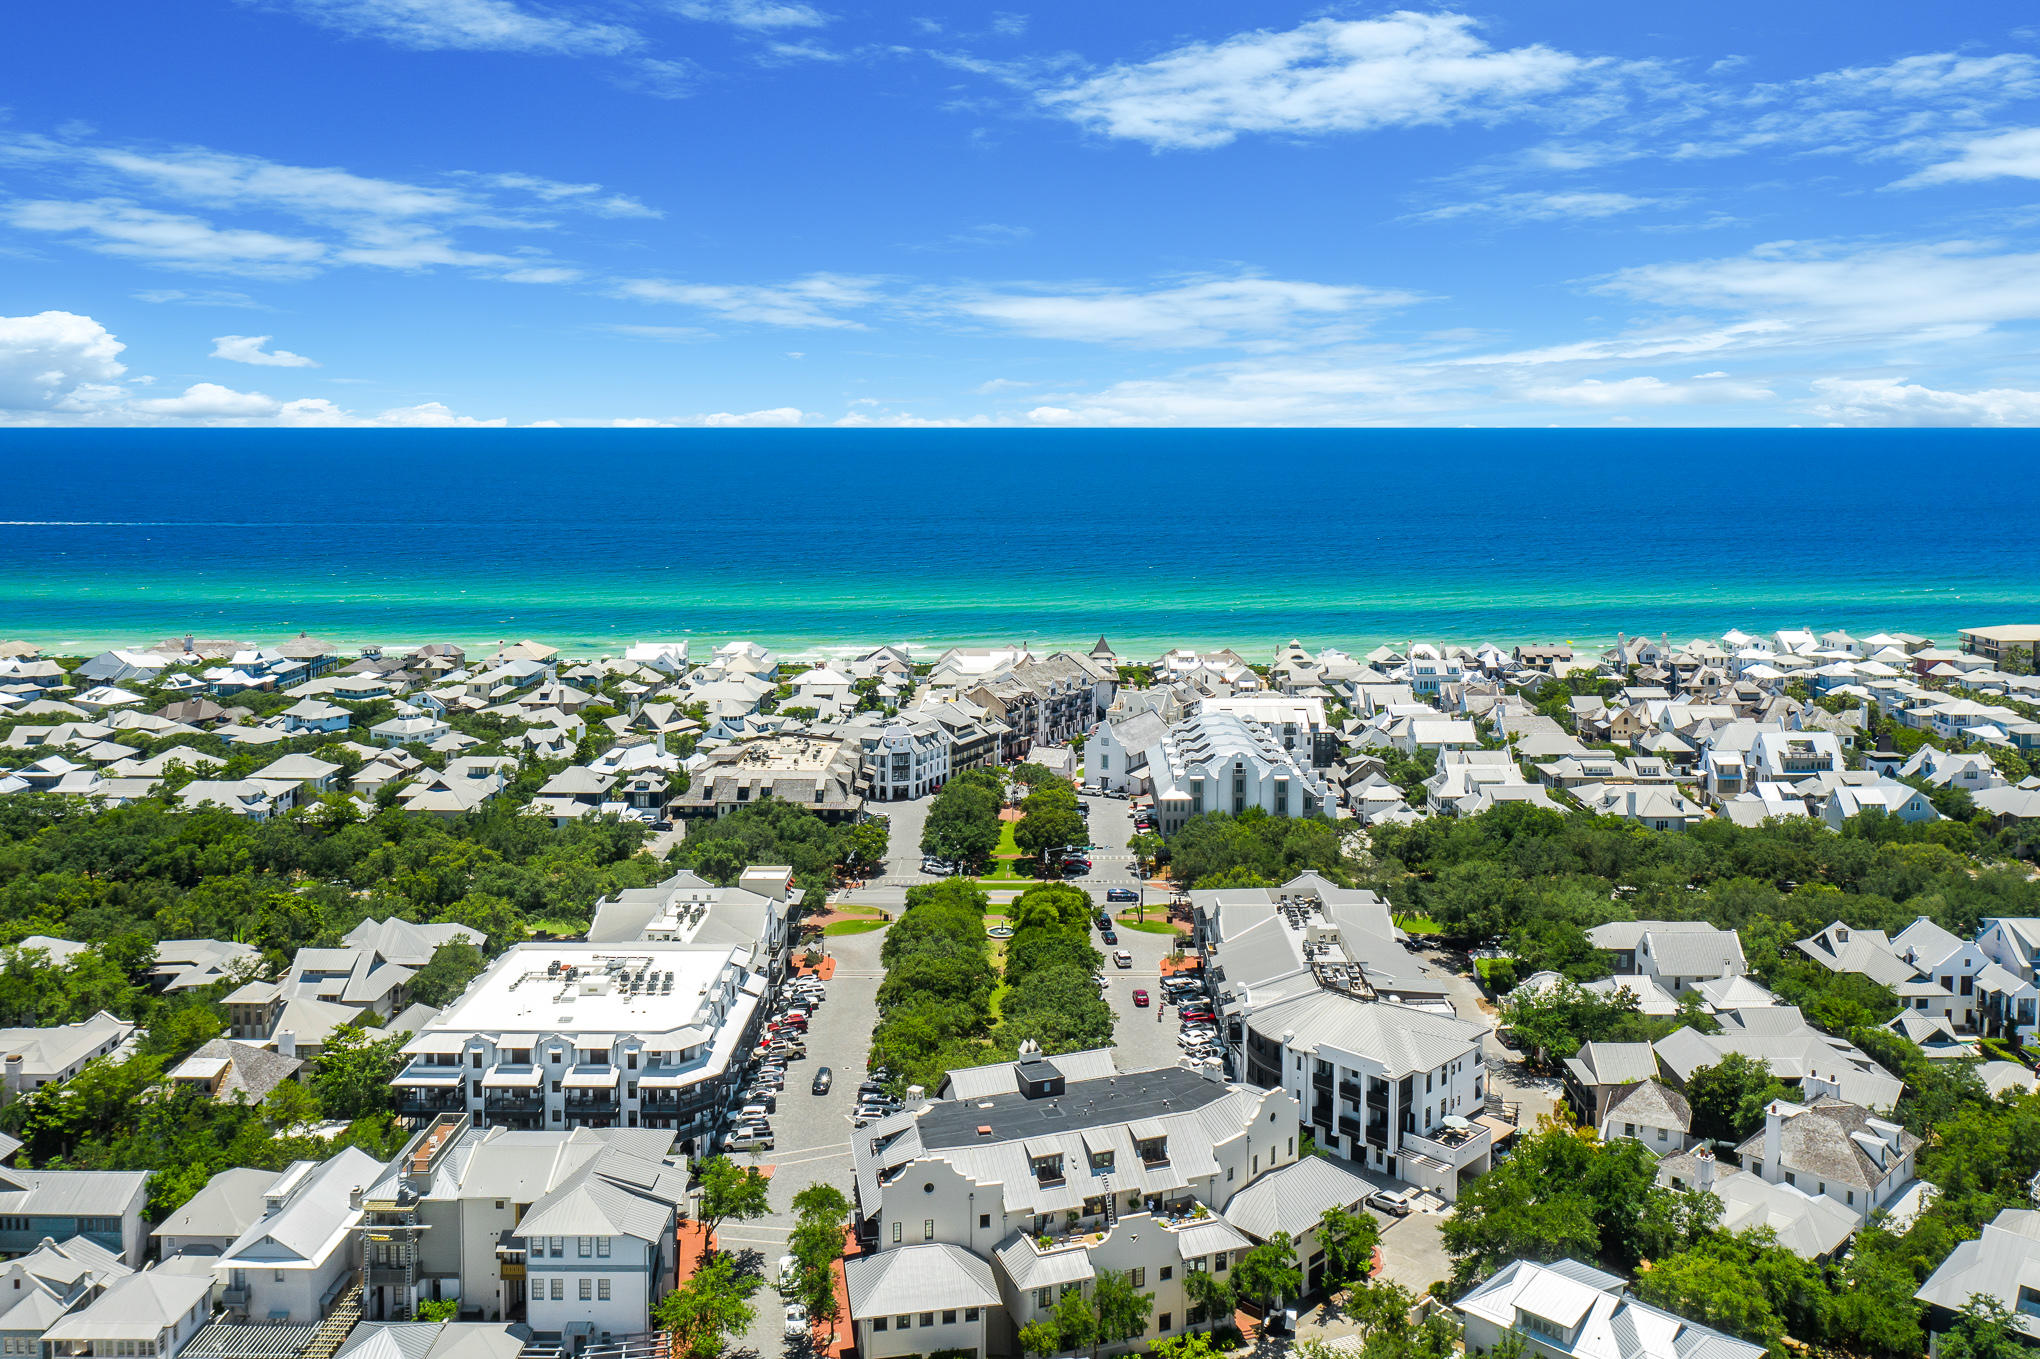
1542, 207
2008, 154
113, 227
248, 349
354, 219
1889, 401
466, 25
777, 417
209, 402
431, 415
1328, 75
997, 385
47, 358
814, 301
586, 197
666, 334
1929, 291
203, 297
1642, 391
1195, 314
752, 14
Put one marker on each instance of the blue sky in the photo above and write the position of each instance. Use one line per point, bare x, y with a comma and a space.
768, 212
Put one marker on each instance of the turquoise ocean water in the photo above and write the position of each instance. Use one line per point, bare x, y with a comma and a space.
815, 540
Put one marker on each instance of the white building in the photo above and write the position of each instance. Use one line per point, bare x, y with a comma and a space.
1052, 1171
1215, 762
649, 1033
1834, 1149
294, 1260
1567, 1310
511, 1222
1322, 1000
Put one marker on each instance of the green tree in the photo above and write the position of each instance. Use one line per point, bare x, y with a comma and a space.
1268, 1273
704, 1313
1122, 1309
1348, 1241
1076, 1321
352, 1073
438, 1309
1211, 1295
1729, 1097
963, 821
1983, 1330
1189, 1345
1041, 1338
730, 1192
1715, 1292
447, 973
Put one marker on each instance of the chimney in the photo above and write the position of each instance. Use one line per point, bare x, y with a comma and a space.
14, 1072
1704, 1168
286, 1043
1774, 1136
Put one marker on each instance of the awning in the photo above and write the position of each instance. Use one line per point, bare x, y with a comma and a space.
512, 1078
428, 1078
1147, 1129
435, 1043
591, 1078
1501, 1128
671, 1080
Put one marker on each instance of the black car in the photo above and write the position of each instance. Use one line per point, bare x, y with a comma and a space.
1121, 894
823, 1077
1104, 921
1107, 937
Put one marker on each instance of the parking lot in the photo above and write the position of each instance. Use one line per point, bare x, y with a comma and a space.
811, 1133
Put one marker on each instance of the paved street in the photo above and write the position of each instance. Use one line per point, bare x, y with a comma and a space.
812, 1134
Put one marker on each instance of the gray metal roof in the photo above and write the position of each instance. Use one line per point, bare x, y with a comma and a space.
919, 1278
1294, 1199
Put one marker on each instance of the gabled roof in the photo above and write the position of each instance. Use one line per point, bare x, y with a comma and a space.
1295, 1198
919, 1279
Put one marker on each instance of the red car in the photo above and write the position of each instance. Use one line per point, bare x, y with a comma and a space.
1140, 997
1201, 1015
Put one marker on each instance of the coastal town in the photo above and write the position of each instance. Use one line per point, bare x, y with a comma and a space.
439, 1001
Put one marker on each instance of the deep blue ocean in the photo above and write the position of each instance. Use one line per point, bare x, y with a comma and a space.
822, 539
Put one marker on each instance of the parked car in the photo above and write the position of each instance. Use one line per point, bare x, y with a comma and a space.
1121, 959
1121, 894
1200, 1014
748, 1142
1108, 937
760, 1095
823, 1078
1140, 997
1394, 1202
789, 1270
796, 1319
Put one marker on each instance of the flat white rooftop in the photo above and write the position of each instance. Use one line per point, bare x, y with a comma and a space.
645, 987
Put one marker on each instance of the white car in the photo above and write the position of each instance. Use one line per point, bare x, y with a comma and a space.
796, 1319
788, 1267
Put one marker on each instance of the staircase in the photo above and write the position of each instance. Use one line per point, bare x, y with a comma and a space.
339, 1323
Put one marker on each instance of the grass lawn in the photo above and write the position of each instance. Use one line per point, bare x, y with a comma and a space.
1007, 844
1419, 924
559, 925
1127, 922
853, 926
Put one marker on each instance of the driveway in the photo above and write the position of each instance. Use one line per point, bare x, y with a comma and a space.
1145, 1038
812, 1133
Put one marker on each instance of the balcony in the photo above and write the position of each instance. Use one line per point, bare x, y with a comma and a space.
1351, 1090
593, 1106
1349, 1126
1455, 1146
496, 1104
414, 1103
